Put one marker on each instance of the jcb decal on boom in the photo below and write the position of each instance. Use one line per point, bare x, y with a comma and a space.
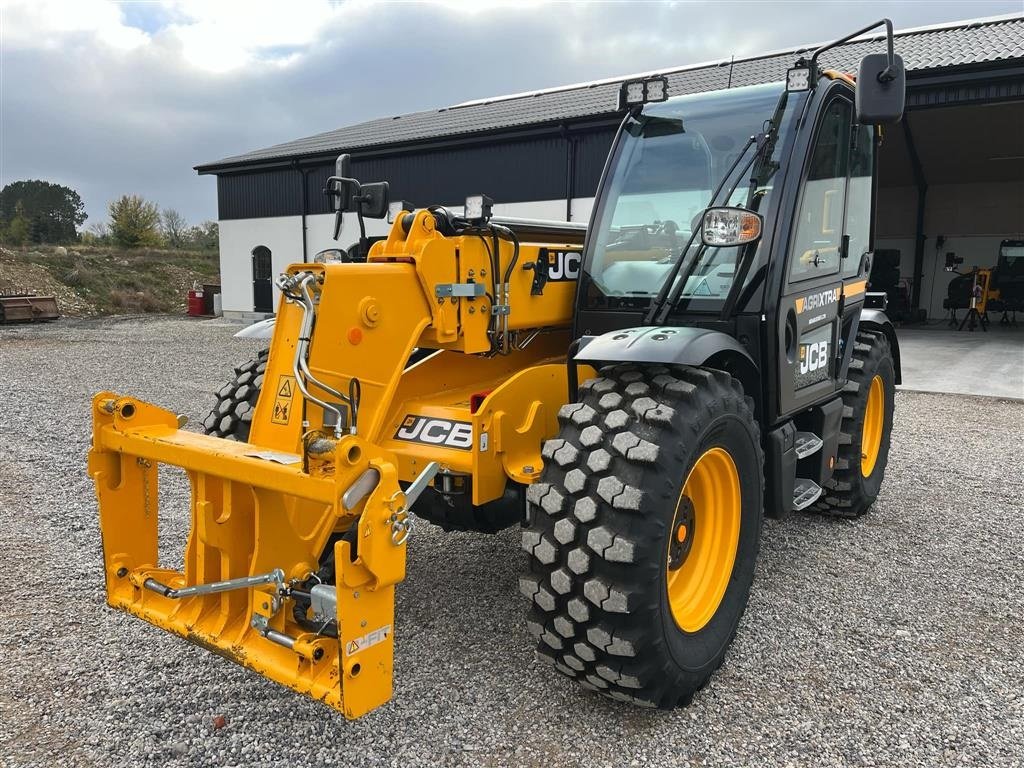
429, 430
563, 266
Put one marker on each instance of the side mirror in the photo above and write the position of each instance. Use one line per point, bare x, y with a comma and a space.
374, 199
342, 187
881, 89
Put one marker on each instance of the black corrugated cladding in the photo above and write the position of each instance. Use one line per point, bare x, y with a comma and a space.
507, 169
984, 87
592, 150
253, 195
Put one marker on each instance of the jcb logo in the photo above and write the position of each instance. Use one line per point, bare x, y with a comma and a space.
432, 431
813, 356
562, 265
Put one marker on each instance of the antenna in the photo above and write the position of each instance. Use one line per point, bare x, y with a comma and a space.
732, 60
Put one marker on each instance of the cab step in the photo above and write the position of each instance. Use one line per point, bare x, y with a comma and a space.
805, 493
807, 443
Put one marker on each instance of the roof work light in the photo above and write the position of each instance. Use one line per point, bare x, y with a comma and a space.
635, 93
798, 78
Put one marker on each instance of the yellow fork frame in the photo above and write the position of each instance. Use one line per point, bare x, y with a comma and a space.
260, 507
251, 515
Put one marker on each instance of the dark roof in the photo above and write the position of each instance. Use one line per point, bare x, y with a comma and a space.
929, 48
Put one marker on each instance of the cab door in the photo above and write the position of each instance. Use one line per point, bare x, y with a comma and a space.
828, 247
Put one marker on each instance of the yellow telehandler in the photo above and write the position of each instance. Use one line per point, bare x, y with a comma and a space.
636, 393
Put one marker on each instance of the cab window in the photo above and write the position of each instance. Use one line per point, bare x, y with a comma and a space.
819, 221
858, 198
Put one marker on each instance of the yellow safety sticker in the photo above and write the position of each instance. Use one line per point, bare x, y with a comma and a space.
283, 400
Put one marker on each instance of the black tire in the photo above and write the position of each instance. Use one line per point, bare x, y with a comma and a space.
601, 518
849, 493
231, 416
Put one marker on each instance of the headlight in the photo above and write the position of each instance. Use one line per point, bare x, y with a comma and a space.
724, 227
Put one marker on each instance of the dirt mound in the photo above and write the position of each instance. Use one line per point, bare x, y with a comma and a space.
98, 281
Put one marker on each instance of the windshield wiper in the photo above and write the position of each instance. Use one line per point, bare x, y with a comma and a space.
669, 295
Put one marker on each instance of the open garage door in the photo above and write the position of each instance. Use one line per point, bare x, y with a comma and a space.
951, 180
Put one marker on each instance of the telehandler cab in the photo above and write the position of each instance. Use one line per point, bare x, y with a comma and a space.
637, 393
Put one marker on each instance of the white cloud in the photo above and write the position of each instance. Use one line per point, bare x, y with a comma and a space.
112, 98
223, 36
47, 23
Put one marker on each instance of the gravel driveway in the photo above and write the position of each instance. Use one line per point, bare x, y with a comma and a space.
894, 640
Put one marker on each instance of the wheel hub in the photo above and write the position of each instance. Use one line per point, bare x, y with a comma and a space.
682, 535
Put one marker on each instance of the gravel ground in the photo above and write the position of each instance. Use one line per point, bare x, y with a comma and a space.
894, 640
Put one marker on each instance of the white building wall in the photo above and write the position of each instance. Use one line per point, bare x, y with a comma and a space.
973, 219
283, 236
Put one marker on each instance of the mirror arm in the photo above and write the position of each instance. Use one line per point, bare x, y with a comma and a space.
884, 76
332, 190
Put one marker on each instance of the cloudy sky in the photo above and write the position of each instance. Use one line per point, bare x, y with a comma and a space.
110, 97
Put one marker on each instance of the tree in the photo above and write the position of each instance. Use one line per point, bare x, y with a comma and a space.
134, 222
52, 213
173, 226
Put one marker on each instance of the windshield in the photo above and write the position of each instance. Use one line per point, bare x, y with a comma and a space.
670, 160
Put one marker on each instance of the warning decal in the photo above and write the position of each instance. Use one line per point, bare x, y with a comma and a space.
369, 639
283, 400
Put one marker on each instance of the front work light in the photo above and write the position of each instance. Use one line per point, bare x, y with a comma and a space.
397, 207
724, 227
633, 93
478, 208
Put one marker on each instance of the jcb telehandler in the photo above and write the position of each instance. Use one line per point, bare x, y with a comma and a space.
637, 393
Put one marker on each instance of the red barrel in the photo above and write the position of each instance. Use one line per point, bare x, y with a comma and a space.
195, 303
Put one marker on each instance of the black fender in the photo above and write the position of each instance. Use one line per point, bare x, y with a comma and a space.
876, 321
678, 345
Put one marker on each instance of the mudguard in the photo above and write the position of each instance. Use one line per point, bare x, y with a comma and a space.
876, 320
679, 345
264, 329
653, 344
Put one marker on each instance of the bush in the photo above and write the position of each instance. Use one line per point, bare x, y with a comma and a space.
204, 237
16, 232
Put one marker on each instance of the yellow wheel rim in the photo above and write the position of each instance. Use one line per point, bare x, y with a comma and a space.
874, 423
703, 540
